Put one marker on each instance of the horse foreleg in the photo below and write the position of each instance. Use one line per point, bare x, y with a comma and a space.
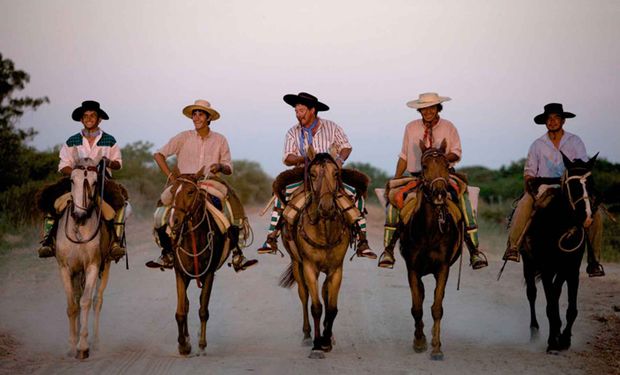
91, 275
441, 279
531, 292
417, 299
553, 313
572, 283
311, 281
205, 295
98, 302
181, 315
331, 288
72, 308
302, 291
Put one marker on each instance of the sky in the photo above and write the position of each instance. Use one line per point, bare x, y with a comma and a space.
500, 61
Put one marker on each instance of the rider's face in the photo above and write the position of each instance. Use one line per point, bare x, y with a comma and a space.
200, 119
554, 122
429, 113
90, 120
304, 115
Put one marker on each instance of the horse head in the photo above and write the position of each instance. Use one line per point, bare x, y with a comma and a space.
187, 199
435, 173
324, 181
578, 187
83, 189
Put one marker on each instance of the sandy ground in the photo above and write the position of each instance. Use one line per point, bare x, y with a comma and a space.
255, 326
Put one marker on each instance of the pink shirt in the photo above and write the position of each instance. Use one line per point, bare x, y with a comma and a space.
193, 152
414, 132
328, 134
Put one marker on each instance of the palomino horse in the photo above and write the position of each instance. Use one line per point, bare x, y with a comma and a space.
430, 243
82, 242
554, 247
318, 242
200, 249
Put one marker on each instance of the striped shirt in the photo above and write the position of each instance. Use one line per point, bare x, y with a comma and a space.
544, 160
414, 133
327, 134
194, 152
77, 147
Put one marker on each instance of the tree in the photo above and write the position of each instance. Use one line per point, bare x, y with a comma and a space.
15, 155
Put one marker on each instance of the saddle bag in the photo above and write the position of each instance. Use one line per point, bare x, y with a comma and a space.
294, 206
347, 206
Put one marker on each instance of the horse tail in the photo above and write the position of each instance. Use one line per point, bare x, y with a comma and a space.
287, 280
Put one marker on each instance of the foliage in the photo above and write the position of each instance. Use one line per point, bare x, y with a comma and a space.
378, 178
251, 183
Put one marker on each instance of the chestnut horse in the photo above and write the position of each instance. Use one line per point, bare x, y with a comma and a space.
84, 267
430, 243
554, 247
318, 242
200, 249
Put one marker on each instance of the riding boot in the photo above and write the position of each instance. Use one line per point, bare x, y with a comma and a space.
270, 246
47, 249
363, 250
595, 242
390, 237
117, 249
166, 259
477, 259
239, 261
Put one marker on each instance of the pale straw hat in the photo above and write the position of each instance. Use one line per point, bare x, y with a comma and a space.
427, 99
203, 105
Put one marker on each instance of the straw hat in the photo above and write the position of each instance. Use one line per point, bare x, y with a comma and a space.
427, 99
203, 105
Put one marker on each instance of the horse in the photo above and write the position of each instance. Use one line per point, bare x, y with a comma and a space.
200, 249
317, 243
431, 241
82, 244
554, 246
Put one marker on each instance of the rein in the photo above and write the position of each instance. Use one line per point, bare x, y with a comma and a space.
87, 193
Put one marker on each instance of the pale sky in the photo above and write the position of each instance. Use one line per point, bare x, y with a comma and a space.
500, 61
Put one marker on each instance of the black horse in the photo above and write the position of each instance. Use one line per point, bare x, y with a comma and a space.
430, 243
554, 246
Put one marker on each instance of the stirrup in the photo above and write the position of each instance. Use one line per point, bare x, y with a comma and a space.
386, 260
478, 260
269, 247
241, 263
117, 252
595, 270
511, 254
46, 251
363, 251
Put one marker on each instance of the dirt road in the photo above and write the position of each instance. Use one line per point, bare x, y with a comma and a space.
255, 326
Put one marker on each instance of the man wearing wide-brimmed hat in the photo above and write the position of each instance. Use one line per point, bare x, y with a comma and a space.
197, 149
544, 159
325, 136
432, 130
91, 142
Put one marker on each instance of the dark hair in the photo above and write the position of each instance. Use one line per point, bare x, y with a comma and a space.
203, 111
439, 108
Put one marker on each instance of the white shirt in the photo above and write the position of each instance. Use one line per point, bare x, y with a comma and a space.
414, 133
193, 151
544, 160
328, 134
77, 147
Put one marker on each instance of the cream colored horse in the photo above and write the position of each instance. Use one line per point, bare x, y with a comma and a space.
81, 235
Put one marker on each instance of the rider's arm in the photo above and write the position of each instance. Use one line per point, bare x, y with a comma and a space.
452, 157
293, 160
163, 166
401, 166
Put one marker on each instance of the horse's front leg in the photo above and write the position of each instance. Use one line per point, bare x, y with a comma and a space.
302, 291
572, 282
181, 314
72, 308
441, 278
531, 292
417, 299
331, 289
205, 295
91, 275
552, 295
98, 302
311, 275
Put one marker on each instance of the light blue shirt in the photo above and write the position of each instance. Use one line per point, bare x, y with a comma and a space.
544, 160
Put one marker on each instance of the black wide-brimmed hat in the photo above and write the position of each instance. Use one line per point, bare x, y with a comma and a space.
305, 99
89, 105
549, 109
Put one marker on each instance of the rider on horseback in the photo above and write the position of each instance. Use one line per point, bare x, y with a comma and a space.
95, 144
431, 129
544, 159
197, 149
324, 135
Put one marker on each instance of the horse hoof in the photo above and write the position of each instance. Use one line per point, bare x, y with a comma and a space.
553, 351
184, 350
420, 347
316, 354
82, 354
438, 356
307, 341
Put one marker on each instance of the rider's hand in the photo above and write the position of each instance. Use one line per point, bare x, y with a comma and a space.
215, 168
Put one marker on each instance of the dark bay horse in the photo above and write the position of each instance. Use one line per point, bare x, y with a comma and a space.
317, 243
430, 243
200, 249
84, 267
554, 246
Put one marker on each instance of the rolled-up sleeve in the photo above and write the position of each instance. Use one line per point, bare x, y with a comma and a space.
531, 163
455, 143
225, 156
66, 156
290, 145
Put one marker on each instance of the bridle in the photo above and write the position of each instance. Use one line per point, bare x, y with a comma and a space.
430, 185
585, 197
88, 205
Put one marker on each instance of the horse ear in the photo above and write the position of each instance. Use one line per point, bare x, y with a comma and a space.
566, 160
592, 161
311, 152
444, 146
422, 146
